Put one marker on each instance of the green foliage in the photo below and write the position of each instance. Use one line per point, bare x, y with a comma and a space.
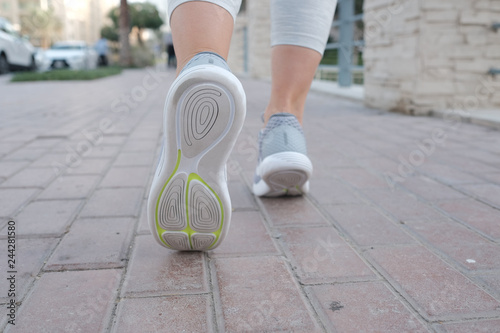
145, 15
110, 33
142, 56
142, 15
66, 74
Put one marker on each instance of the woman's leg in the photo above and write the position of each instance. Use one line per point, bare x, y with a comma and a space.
201, 26
189, 206
293, 69
299, 32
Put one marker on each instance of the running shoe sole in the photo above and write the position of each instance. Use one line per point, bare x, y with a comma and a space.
189, 206
285, 173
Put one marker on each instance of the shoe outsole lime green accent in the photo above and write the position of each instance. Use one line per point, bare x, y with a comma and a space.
189, 206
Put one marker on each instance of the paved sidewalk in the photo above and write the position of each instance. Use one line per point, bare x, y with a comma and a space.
401, 230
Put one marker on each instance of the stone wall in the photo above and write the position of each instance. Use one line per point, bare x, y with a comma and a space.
237, 58
425, 55
256, 19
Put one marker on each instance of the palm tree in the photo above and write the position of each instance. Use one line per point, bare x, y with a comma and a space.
125, 58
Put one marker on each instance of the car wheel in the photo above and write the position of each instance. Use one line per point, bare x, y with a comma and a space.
33, 64
4, 65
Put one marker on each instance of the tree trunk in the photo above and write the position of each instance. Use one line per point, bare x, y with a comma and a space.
139, 37
125, 58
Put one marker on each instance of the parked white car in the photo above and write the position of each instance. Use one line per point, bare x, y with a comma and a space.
15, 51
70, 54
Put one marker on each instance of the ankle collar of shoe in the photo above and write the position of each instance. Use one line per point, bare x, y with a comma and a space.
204, 58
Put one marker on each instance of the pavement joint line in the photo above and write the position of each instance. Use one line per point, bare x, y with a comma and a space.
288, 263
243, 255
213, 289
42, 270
137, 296
216, 301
420, 240
398, 290
445, 257
447, 214
266, 219
404, 298
141, 118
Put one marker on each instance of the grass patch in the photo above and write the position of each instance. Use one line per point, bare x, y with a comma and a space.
66, 74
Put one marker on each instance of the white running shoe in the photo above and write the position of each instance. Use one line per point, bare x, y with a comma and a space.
283, 167
189, 206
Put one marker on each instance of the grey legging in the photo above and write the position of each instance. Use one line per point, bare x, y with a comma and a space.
293, 22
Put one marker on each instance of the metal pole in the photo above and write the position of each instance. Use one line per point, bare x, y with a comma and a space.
245, 49
346, 13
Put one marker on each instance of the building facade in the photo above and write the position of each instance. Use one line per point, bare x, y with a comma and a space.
420, 56
47, 21
426, 55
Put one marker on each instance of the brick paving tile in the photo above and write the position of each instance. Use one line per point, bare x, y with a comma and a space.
143, 226
7, 147
30, 177
241, 197
52, 160
336, 161
491, 282
103, 151
25, 154
125, 177
43, 142
140, 145
93, 166
92, 244
69, 302
403, 206
482, 326
70, 187
327, 191
368, 227
466, 164
435, 289
156, 271
8, 168
361, 178
320, 255
164, 314
134, 159
483, 156
111, 140
3, 313
292, 211
430, 189
46, 217
363, 307
247, 235
476, 214
492, 177
354, 150
447, 174
30, 256
114, 202
463, 245
259, 294
381, 165
394, 258
12, 199
489, 193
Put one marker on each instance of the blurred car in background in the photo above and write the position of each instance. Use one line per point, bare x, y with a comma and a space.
15, 51
70, 55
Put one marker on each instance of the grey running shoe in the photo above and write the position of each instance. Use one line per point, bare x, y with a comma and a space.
283, 167
189, 206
